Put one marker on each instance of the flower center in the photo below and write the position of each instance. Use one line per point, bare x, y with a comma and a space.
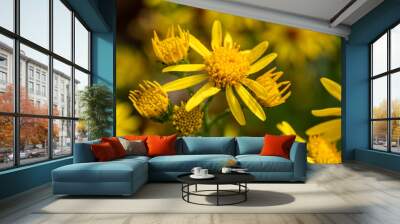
227, 66
187, 123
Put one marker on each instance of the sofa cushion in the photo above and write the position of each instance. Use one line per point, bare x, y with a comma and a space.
116, 145
103, 152
112, 171
133, 158
83, 152
249, 145
161, 145
257, 163
207, 145
134, 147
185, 163
135, 137
277, 145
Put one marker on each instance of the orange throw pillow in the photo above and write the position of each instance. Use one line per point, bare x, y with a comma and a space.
103, 152
161, 145
277, 145
135, 137
116, 145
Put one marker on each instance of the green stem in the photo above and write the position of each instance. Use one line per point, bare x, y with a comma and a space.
218, 118
206, 129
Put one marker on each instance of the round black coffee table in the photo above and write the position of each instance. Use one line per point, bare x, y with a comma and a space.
238, 179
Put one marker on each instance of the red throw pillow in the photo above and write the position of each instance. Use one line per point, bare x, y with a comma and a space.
161, 145
277, 145
103, 151
116, 145
135, 137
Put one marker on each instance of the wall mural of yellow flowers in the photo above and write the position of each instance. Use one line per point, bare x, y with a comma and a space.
198, 72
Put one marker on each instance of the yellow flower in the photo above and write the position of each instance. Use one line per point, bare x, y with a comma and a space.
322, 151
277, 93
329, 130
286, 129
319, 150
225, 67
172, 49
296, 46
187, 123
126, 122
150, 100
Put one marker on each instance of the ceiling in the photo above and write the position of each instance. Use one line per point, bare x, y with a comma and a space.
319, 9
327, 16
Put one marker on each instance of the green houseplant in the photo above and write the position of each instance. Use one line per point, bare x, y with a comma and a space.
96, 103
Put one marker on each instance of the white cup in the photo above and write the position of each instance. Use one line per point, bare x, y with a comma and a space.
196, 171
203, 172
226, 170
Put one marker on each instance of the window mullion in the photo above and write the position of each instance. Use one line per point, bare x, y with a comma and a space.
389, 104
371, 124
16, 85
73, 82
50, 81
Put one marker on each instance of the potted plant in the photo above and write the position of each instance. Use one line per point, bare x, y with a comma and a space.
96, 102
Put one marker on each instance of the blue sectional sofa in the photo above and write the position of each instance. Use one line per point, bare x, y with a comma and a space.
125, 176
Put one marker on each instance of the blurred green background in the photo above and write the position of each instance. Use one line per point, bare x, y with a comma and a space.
304, 57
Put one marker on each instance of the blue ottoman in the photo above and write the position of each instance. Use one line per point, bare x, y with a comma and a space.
118, 177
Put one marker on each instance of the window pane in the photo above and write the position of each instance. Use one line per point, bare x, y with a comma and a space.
379, 97
6, 142
395, 95
81, 45
81, 131
62, 138
6, 74
62, 29
35, 21
34, 97
62, 89
379, 135
81, 82
7, 14
33, 140
379, 55
395, 135
395, 47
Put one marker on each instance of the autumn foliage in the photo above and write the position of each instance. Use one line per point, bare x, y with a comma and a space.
33, 131
380, 127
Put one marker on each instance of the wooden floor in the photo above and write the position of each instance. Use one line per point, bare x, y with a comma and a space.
377, 188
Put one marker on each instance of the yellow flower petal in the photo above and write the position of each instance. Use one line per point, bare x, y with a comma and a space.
286, 129
335, 111
329, 130
250, 102
184, 68
184, 83
262, 63
235, 107
228, 42
323, 151
257, 51
196, 45
255, 87
203, 93
216, 35
332, 87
